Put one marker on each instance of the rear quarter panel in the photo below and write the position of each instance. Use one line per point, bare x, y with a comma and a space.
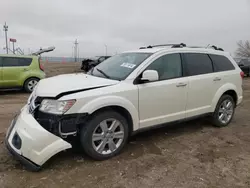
231, 81
33, 71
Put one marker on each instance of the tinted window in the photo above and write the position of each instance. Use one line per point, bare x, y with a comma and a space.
10, 62
13, 61
196, 64
168, 66
1, 62
221, 63
24, 61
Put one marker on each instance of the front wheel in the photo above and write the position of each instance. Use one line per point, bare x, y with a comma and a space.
224, 111
30, 84
104, 135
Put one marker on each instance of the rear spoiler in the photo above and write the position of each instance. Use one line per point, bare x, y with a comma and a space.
39, 52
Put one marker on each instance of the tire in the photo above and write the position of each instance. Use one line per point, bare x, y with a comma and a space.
105, 143
222, 109
29, 84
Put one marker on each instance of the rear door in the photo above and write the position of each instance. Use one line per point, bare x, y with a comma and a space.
13, 70
199, 71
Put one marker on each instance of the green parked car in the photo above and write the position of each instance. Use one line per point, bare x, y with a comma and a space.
18, 71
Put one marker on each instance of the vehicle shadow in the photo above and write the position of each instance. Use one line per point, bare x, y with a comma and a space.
11, 91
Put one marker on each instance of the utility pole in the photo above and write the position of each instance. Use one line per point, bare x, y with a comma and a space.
5, 28
75, 49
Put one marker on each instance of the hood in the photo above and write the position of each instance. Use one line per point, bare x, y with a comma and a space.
58, 86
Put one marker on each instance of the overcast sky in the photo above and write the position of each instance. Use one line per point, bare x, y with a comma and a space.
123, 24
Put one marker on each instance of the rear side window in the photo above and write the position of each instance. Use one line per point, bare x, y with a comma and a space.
221, 63
24, 61
196, 64
14, 61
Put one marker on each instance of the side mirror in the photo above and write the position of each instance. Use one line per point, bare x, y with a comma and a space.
150, 76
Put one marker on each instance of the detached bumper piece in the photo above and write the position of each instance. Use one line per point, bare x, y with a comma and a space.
17, 143
29, 165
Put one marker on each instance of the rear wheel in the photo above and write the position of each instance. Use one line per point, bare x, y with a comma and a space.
104, 135
224, 111
30, 84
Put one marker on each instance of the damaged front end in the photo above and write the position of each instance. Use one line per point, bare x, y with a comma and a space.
61, 125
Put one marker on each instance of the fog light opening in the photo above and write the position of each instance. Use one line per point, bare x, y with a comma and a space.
16, 141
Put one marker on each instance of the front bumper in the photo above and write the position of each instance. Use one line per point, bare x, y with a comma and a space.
37, 144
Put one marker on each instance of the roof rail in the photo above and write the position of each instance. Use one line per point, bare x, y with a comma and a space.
216, 48
213, 46
181, 45
160, 45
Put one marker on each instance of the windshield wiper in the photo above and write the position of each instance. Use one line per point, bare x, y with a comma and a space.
103, 73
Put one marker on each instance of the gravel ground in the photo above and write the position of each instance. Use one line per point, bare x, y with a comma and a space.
189, 155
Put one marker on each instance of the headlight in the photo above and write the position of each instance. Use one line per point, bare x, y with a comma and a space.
55, 106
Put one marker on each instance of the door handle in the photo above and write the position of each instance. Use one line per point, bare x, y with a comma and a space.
25, 69
217, 79
181, 85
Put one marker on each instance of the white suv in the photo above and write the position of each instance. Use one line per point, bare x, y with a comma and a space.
126, 93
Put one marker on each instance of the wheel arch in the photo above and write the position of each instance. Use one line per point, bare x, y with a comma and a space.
229, 89
118, 104
28, 79
122, 111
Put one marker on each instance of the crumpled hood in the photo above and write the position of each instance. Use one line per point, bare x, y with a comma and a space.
68, 83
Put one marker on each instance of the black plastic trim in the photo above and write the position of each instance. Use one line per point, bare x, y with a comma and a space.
157, 126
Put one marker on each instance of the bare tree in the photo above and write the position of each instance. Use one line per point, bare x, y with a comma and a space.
243, 50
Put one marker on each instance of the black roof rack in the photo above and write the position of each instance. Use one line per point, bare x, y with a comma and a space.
181, 45
213, 46
159, 45
216, 48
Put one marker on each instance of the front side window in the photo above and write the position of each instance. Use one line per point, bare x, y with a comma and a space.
168, 66
197, 63
118, 67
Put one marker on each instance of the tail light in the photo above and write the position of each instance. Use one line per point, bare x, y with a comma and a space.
40, 64
242, 74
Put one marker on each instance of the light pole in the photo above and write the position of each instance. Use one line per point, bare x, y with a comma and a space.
106, 49
5, 28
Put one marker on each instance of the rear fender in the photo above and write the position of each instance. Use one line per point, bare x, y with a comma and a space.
220, 92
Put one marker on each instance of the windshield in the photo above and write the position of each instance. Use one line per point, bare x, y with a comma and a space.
118, 67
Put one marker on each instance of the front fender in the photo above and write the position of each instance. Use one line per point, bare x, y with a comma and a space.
106, 101
220, 92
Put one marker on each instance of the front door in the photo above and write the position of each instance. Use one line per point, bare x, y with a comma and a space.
164, 100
